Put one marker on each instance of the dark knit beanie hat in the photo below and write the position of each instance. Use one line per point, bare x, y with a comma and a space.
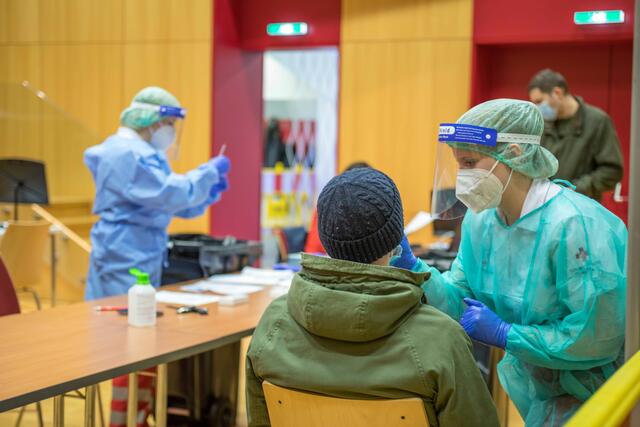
360, 216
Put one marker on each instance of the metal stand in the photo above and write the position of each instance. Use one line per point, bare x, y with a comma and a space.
89, 406
53, 231
197, 400
58, 411
161, 395
132, 402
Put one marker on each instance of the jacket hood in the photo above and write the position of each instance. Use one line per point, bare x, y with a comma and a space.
350, 301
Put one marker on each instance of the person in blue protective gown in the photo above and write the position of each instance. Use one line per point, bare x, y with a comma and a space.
137, 194
541, 270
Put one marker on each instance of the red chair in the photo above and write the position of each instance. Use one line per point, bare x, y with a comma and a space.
8, 298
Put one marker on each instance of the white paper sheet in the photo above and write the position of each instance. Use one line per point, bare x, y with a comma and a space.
242, 279
421, 220
183, 298
278, 291
221, 288
234, 299
267, 273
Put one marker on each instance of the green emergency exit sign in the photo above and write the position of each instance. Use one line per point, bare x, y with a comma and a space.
287, 29
597, 17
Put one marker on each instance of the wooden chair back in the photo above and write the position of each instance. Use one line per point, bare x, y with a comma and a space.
292, 408
22, 248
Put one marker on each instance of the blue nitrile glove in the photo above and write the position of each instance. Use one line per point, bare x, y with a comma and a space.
221, 163
406, 259
219, 187
483, 325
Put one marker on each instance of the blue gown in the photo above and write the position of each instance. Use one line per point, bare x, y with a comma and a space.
137, 194
558, 275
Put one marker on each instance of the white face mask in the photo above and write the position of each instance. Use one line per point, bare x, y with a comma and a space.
480, 189
163, 137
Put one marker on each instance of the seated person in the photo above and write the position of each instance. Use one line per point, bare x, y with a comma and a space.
353, 327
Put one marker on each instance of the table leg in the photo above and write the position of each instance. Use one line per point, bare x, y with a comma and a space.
58, 411
90, 406
54, 278
132, 402
197, 388
161, 395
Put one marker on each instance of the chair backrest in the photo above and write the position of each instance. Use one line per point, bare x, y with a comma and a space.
290, 240
289, 408
8, 298
23, 247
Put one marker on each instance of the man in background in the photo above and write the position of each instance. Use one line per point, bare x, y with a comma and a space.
581, 136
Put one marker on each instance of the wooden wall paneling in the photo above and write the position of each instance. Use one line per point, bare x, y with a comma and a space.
85, 82
20, 131
79, 21
4, 22
21, 18
405, 69
405, 19
64, 140
452, 86
84, 99
453, 92
386, 114
77, 53
184, 69
20, 63
175, 20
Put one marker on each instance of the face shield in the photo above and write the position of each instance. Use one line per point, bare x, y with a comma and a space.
461, 146
167, 111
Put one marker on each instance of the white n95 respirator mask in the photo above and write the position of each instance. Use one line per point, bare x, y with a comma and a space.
163, 137
480, 189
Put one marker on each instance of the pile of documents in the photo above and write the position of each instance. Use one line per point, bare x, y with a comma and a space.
230, 289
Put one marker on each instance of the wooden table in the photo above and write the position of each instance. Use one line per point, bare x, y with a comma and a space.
48, 353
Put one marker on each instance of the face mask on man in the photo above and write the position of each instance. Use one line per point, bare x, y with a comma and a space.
480, 189
163, 137
549, 114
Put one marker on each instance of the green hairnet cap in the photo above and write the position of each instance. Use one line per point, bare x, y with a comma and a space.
512, 116
138, 118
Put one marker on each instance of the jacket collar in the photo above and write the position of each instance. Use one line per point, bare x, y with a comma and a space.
349, 301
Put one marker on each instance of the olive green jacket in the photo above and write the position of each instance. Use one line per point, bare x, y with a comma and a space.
587, 149
360, 331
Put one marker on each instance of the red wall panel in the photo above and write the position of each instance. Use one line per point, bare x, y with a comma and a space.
323, 18
237, 122
506, 70
513, 40
239, 37
600, 73
619, 109
508, 21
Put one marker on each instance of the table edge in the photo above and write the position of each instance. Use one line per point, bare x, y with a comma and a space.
78, 383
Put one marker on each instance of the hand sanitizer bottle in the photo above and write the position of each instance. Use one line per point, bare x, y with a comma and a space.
142, 300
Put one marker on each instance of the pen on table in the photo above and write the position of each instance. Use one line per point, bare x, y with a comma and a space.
109, 307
